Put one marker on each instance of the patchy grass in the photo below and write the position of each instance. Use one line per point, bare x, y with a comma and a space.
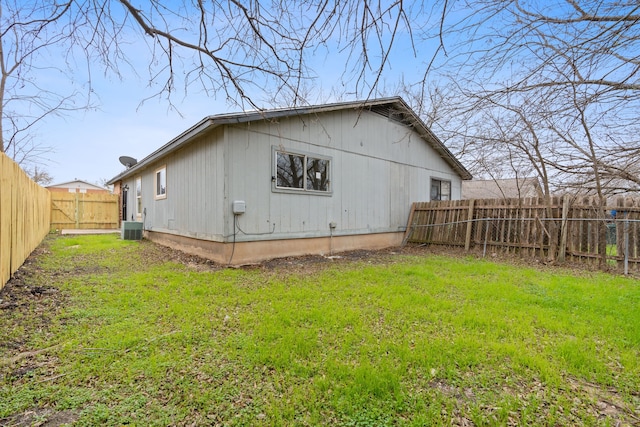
142, 335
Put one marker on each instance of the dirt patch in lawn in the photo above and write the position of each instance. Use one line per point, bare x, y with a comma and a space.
27, 304
41, 417
153, 253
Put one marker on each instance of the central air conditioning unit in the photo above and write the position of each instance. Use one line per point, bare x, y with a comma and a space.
131, 230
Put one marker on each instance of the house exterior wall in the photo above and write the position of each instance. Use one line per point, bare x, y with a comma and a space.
193, 206
255, 251
378, 167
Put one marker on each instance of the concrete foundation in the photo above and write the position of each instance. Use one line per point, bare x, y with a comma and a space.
252, 252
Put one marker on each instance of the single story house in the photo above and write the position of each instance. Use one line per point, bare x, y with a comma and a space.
510, 188
77, 186
244, 187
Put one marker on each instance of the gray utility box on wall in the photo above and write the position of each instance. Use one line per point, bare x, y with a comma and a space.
131, 230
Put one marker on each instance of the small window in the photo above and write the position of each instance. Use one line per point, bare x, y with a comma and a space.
138, 197
290, 170
317, 174
302, 172
440, 190
161, 183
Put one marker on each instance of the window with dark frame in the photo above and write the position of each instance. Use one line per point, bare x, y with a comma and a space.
161, 183
302, 172
440, 190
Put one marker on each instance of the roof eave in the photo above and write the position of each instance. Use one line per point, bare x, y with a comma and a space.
436, 143
223, 119
210, 122
185, 137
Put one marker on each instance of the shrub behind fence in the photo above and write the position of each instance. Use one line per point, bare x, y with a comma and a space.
24, 217
566, 228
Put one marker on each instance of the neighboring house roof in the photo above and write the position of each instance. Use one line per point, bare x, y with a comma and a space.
78, 183
610, 187
391, 107
512, 188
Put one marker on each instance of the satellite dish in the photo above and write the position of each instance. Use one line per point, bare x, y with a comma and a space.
128, 161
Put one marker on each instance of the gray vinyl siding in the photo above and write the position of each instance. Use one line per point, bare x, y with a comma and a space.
194, 205
378, 167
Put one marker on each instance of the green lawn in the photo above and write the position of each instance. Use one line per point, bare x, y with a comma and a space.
403, 340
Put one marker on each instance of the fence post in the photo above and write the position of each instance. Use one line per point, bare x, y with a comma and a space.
409, 230
563, 229
77, 212
467, 240
626, 244
486, 237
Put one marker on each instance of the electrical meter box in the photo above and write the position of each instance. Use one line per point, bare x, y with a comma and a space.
239, 207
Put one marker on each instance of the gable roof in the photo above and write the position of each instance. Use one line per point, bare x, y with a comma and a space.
394, 108
511, 188
77, 183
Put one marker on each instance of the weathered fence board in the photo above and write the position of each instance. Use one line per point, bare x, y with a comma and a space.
84, 210
563, 228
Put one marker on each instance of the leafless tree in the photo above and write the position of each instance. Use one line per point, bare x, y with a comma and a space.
570, 70
552, 84
240, 50
40, 176
26, 32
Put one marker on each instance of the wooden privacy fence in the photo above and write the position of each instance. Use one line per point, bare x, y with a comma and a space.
84, 210
24, 217
566, 228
